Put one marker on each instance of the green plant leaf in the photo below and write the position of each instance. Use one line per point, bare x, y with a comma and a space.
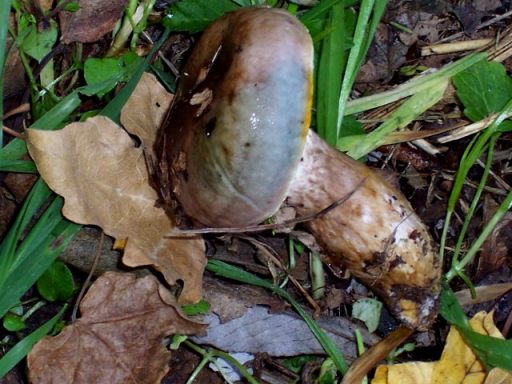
13, 323
20, 166
201, 308
38, 44
110, 71
493, 352
368, 311
360, 145
72, 7
330, 69
5, 8
483, 88
195, 15
56, 283
416, 85
20, 350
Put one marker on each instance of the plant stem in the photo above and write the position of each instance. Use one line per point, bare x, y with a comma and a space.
475, 247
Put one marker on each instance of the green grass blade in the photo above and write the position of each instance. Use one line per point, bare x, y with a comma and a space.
361, 42
5, 9
37, 196
33, 266
318, 11
471, 155
416, 85
23, 347
19, 166
39, 232
360, 145
476, 199
233, 273
486, 231
330, 68
51, 120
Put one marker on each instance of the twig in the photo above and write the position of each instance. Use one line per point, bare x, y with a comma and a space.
458, 46
265, 227
25, 107
269, 252
483, 25
11, 132
89, 277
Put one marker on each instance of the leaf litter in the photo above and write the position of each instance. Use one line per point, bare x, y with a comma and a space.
103, 178
119, 337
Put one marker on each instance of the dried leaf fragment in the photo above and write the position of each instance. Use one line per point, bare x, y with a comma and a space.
95, 166
458, 363
119, 337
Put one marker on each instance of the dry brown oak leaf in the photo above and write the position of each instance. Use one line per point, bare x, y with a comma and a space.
118, 339
103, 178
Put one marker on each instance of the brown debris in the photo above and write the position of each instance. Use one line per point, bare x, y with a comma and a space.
118, 339
92, 21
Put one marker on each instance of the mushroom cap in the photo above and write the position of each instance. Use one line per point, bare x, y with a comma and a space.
234, 136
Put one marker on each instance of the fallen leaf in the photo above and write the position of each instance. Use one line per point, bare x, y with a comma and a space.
118, 339
95, 166
414, 372
93, 19
498, 376
458, 363
144, 111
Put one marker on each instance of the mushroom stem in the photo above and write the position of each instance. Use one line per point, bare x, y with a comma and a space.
375, 233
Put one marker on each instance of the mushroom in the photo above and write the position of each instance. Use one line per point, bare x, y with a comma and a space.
236, 146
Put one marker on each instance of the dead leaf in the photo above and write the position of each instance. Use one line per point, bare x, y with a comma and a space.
498, 376
144, 111
95, 166
483, 293
415, 372
458, 363
94, 19
118, 339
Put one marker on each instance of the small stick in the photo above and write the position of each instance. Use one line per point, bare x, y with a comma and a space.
25, 107
269, 252
458, 46
266, 227
10, 131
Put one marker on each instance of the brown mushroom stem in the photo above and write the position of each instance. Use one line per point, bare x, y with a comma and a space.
375, 233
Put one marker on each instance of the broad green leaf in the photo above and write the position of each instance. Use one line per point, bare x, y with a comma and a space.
483, 88
56, 283
13, 323
38, 44
109, 71
368, 311
195, 15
